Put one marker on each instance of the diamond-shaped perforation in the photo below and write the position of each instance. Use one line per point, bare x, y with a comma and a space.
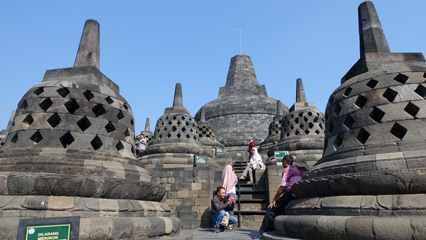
84, 123
23, 105
96, 143
45, 104
390, 94
360, 101
317, 131
337, 109
362, 136
296, 120
109, 100
15, 138
421, 90
377, 114
398, 131
125, 106
110, 127
297, 132
98, 110
337, 142
66, 139
88, 95
305, 119
372, 83
120, 115
411, 109
28, 120
38, 91
54, 120
127, 133
307, 131
72, 106
119, 146
132, 122
36, 137
179, 135
349, 121
401, 78
347, 91
63, 92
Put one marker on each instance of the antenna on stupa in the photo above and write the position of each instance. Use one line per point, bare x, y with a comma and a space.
88, 53
240, 39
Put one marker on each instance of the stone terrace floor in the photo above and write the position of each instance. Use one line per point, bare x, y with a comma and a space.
236, 234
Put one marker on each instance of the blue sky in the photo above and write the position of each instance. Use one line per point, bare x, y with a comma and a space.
149, 46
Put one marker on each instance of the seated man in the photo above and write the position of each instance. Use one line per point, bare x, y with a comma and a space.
283, 196
220, 207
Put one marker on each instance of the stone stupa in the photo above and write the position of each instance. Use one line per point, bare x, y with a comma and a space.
370, 183
302, 132
69, 152
243, 109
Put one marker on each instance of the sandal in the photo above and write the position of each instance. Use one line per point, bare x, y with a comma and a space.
242, 178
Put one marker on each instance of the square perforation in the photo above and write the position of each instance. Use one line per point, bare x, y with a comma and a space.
361, 101
96, 143
401, 78
36, 137
66, 139
398, 131
372, 83
377, 114
54, 120
411, 109
63, 92
72, 106
45, 104
390, 94
98, 110
88, 95
362, 136
421, 90
347, 91
84, 123
349, 121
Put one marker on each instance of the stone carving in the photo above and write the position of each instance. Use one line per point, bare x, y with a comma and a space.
147, 133
243, 109
374, 149
205, 132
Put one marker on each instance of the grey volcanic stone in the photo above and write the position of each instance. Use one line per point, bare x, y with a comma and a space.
374, 162
70, 151
243, 109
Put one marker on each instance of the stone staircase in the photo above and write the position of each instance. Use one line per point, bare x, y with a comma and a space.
252, 199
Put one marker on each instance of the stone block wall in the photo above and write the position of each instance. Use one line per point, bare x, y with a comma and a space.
189, 193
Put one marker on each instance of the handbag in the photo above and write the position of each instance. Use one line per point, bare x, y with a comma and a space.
225, 220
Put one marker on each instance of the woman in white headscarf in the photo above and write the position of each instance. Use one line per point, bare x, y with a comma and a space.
255, 163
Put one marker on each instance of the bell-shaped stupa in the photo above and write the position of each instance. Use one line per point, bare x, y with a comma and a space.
69, 152
303, 127
243, 109
370, 183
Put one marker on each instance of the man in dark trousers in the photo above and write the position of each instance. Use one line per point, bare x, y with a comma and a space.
283, 196
220, 207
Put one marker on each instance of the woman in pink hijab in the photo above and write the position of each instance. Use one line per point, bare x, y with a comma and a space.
229, 181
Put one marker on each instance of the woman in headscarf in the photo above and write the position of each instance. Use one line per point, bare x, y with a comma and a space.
229, 181
255, 163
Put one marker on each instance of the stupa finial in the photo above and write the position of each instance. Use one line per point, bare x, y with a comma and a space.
88, 53
147, 125
177, 101
372, 38
300, 91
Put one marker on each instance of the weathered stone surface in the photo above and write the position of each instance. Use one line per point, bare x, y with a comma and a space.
243, 110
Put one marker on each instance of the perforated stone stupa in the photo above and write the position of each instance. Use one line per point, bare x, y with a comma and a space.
70, 152
302, 132
243, 109
370, 183
206, 133
171, 158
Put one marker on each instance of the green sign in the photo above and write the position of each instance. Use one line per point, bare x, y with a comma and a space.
219, 150
48, 232
200, 160
280, 154
239, 154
